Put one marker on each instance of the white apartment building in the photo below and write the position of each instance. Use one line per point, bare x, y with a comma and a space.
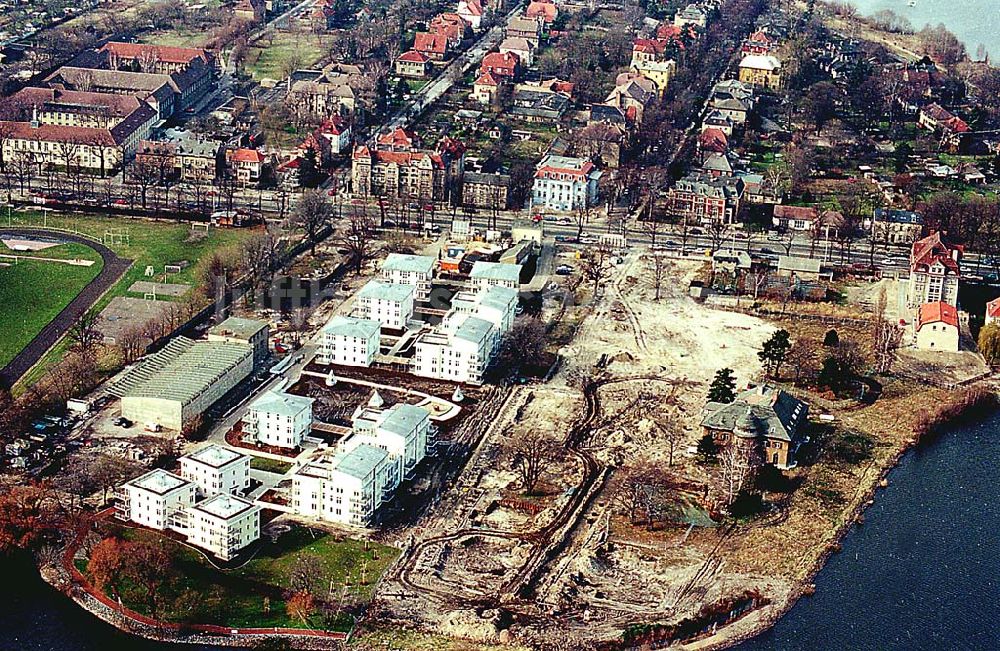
155, 499
459, 350
485, 274
405, 269
494, 303
279, 419
215, 469
401, 430
564, 183
388, 303
345, 487
349, 341
223, 524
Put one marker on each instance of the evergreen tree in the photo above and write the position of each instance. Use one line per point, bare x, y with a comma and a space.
708, 449
723, 388
774, 351
308, 169
834, 374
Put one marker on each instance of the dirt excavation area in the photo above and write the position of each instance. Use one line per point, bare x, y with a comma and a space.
582, 555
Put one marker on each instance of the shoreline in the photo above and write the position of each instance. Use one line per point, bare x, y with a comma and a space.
802, 588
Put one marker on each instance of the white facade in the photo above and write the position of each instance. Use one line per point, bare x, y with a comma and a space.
495, 304
153, 499
485, 274
345, 487
416, 270
223, 525
458, 351
349, 341
564, 184
402, 431
279, 419
215, 469
389, 304
939, 336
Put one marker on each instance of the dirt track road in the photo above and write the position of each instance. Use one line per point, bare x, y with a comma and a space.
114, 268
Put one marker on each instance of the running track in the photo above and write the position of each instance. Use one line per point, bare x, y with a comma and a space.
114, 268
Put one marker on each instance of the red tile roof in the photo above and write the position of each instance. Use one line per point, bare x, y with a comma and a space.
648, 45
413, 57
59, 133
400, 137
472, 7
427, 42
938, 312
713, 139
993, 308
247, 156
504, 63
933, 249
487, 79
164, 53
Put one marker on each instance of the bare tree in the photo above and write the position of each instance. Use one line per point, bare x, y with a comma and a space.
739, 462
84, 333
660, 265
258, 257
360, 240
312, 214
131, 343
529, 456
886, 336
596, 264
144, 174
718, 231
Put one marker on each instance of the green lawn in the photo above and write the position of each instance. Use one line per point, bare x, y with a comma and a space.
270, 465
33, 292
149, 244
269, 61
254, 595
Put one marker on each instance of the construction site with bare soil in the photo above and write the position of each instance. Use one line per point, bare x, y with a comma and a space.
583, 514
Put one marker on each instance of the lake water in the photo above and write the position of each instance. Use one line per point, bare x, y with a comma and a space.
923, 573
924, 570
974, 22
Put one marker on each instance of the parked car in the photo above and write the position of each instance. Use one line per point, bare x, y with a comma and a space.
123, 422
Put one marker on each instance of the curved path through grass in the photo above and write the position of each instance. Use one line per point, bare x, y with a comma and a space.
40, 301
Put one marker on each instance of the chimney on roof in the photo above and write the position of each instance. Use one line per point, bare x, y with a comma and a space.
34, 117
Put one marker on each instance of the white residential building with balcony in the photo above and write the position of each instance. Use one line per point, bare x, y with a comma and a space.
389, 304
563, 183
215, 469
402, 430
154, 499
405, 269
349, 341
223, 524
459, 350
495, 303
279, 419
345, 487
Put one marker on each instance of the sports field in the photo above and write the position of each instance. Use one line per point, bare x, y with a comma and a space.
32, 292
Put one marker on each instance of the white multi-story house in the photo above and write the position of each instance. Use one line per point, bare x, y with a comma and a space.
459, 350
223, 524
155, 499
401, 430
564, 183
349, 341
485, 274
215, 469
389, 304
279, 419
346, 487
406, 269
934, 272
494, 303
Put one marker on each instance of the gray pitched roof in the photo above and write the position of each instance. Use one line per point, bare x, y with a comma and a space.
474, 329
402, 418
496, 271
763, 411
279, 402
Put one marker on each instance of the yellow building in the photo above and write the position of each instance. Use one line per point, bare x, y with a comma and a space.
658, 72
761, 71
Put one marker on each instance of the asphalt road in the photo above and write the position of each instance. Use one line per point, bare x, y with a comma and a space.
114, 268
